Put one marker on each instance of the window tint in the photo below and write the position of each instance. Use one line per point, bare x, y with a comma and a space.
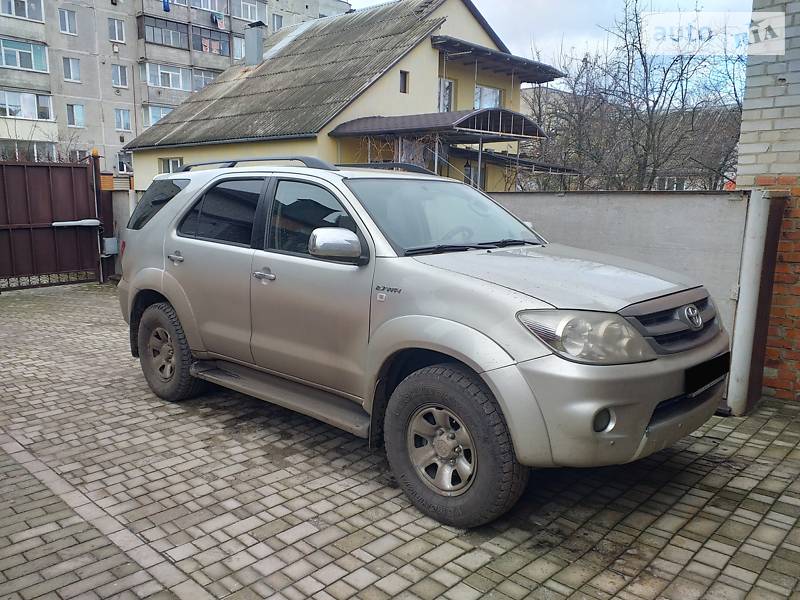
226, 213
299, 209
155, 198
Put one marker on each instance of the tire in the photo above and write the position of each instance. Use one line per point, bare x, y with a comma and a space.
438, 396
165, 356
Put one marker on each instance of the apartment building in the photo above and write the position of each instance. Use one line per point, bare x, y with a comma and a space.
83, 74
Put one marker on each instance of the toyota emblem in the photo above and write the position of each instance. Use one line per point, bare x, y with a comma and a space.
693, 317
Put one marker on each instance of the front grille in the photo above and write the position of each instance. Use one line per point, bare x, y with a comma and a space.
664, 325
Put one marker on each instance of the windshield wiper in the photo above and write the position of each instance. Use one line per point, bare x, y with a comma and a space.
509, 242
439, 248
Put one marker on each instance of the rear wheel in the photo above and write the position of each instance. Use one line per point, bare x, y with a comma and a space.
165, 355
449, 447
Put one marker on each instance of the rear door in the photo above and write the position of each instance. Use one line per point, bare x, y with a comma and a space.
210, 253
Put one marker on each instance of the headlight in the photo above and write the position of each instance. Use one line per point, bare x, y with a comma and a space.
588, 337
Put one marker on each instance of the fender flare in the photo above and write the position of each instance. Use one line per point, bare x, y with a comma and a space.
468, 345
166, 285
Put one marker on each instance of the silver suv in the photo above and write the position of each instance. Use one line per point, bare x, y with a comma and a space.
416, 312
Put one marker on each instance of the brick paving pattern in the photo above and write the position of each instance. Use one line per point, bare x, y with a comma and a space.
106, 491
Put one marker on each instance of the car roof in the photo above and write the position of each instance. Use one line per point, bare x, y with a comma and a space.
329, 175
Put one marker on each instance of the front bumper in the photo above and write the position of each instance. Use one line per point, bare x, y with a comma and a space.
569, 396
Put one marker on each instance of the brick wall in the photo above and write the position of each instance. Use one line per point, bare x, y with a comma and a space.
769, 157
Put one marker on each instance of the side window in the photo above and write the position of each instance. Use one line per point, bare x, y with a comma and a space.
299, 209
226, 213
155, 198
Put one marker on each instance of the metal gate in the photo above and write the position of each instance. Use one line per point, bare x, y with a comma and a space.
32, 252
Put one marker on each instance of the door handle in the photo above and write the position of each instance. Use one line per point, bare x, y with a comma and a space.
260, 275
176, 257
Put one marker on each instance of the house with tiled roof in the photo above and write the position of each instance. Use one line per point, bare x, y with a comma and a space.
427, 82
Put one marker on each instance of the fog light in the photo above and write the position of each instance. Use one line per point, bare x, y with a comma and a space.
602, 420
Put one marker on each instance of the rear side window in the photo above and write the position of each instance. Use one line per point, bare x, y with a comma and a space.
155, 198
226, 213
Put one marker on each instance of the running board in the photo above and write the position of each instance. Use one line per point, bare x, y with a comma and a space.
318, 404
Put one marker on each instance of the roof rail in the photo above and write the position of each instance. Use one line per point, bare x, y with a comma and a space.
309, 161
410, 167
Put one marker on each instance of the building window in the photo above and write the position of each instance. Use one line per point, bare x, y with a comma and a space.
154, 113
238, 48
75, 115
116, 30
66, 21
72, 69
175, 78
446, 94
27, 150
202, 78
210, 41
404, 77
122, 119
277, 21
166, 33
78, 155
488, 97
24, 9
119, 76
212, 5
26, 105
170, 165
28, 56
125, 162
249, 11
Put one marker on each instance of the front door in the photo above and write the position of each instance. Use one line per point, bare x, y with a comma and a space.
310, 316
210, 256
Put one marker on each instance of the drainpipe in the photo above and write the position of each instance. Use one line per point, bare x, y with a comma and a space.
480, 162
755, 234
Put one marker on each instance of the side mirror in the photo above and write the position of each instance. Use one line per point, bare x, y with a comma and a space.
335, 243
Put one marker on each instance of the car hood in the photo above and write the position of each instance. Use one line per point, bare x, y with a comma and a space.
565, 277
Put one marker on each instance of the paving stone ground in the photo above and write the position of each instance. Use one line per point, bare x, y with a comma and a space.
106, 491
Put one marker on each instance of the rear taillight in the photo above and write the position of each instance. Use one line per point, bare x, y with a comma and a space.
122, 249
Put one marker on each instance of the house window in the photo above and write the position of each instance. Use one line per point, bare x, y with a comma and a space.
28, 56
170, 165
72, 69
166, 33
404, 77
119, 76
210, 41
66, 21
116, 30
154, 113
213, 5
277, 21
24, 9
175, 78
446, 94
122, 119
202, 78
125, 162
25, 105
238, 47
75, 115
488, 97
249, 11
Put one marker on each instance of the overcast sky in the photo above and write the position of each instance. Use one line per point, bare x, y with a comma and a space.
577, 24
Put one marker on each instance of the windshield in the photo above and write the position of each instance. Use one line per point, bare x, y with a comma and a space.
437, 215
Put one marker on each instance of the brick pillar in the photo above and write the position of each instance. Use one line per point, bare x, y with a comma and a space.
782, 363
769, 158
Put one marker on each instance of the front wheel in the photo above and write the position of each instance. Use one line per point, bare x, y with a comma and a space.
449, 447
